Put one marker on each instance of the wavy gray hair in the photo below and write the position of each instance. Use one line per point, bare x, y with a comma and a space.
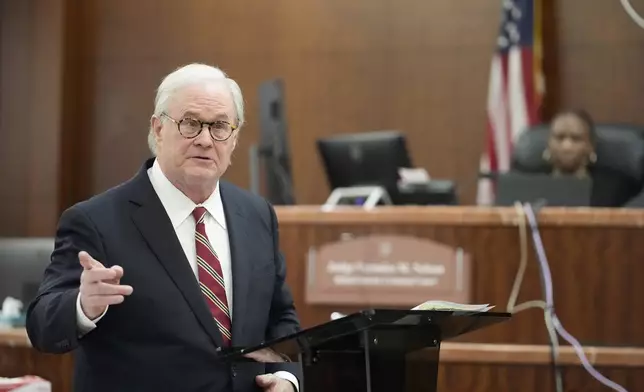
188, 75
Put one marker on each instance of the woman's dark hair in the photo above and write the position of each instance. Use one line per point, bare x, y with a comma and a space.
585, 118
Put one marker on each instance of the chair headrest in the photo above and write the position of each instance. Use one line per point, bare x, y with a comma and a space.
618, 147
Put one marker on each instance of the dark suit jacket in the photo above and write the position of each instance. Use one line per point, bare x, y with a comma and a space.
163, 337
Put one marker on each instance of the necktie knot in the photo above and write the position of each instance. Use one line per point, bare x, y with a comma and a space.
199, 213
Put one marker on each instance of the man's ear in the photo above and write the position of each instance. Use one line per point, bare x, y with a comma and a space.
156, 125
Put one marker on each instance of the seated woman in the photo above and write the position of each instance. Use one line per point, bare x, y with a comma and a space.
571, 151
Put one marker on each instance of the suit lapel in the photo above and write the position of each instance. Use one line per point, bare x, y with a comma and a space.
239, 258
151, 219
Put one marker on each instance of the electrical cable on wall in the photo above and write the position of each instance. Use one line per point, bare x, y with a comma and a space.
547, 314
632, 13
547, 281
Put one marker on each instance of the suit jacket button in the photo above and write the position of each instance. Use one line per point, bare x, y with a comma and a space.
233, 371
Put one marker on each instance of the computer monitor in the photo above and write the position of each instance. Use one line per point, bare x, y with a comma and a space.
22, 264
365, 159
274, 147
533, 188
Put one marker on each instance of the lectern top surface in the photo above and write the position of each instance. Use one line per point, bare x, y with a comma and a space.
448, 324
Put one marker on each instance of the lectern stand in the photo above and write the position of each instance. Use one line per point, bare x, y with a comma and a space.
374, 350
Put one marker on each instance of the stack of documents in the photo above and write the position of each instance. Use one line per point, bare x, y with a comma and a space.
453, 306
446, 306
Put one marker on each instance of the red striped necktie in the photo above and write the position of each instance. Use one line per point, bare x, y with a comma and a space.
211, 279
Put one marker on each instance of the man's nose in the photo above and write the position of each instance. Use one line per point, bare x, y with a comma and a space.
204, 138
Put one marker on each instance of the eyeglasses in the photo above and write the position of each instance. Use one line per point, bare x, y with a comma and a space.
190, 128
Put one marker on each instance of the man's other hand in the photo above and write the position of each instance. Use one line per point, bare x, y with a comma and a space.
272, 383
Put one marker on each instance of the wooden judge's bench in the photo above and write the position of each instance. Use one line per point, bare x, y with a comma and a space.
596, 259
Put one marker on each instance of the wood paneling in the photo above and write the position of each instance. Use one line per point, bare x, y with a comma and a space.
418, 66
13, 97
30, 115
600, 59
78, 107
594, 258
492, 377
348, 66
462, 215
524, 354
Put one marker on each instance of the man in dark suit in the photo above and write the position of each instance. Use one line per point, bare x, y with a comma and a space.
149, 280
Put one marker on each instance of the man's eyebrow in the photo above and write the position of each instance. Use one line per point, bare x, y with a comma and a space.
190, 114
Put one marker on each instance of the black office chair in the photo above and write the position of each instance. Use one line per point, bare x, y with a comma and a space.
636, 202
619, 148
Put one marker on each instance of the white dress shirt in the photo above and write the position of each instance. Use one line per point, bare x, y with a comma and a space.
179, 209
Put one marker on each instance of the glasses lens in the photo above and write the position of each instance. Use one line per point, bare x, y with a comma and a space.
189, 127
220, 130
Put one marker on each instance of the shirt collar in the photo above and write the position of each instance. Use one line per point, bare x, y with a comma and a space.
177, 205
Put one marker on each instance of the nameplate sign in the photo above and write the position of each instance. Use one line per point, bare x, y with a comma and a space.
387, 270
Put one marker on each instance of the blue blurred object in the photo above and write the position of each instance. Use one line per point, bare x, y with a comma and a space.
12, 313
13, 322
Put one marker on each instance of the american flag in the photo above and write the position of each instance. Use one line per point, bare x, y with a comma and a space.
515, 88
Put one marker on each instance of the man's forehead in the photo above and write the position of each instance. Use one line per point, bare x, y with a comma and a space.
196, 98
214, 89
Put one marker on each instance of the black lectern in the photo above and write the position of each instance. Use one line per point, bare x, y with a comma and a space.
374, 350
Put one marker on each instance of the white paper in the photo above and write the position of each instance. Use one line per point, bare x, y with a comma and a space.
453, 306
414, 175
25, 384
